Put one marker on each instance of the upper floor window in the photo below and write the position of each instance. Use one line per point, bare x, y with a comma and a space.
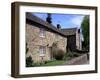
42, 32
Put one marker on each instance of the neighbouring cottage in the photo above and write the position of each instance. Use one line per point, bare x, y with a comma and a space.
41, 35
74, 41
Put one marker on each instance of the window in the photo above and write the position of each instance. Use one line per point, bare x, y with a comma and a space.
42, 50
42, 32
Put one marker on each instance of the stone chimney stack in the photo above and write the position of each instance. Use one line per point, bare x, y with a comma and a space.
49, 19
58, 26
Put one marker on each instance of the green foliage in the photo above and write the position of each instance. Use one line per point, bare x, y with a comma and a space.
76, 54
53, 63
85, 32
70, 55
36, 64
29, 61
59, 55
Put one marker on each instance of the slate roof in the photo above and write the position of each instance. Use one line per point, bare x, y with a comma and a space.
64, 32
69, 31
36, 19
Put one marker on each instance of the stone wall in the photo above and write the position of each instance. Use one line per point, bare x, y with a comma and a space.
71, 43
34, 41
74, 41
78, 40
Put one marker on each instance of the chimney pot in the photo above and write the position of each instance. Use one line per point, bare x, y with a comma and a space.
49, 19
58, 26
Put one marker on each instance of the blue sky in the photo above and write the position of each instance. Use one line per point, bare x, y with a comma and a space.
65, 20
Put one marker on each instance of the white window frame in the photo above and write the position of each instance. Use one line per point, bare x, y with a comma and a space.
42, 50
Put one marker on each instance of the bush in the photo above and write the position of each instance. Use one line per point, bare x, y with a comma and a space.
59, 54
75, 54
69, 54
29, 61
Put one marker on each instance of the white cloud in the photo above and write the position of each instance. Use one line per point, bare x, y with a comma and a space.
77, 20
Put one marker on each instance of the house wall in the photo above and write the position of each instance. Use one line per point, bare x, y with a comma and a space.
34, 41
78, 40
71, 43
74, 41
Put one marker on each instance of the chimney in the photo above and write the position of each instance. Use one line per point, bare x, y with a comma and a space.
78, 30
58, 26
48, 19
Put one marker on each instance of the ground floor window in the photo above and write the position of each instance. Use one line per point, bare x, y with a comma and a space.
42, 50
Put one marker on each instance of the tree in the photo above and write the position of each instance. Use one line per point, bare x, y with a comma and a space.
85, 32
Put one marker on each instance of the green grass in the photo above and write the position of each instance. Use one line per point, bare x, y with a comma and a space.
51, 63
67, 57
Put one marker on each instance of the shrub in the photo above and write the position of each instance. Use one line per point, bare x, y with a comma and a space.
29, 61
59, 54
69, 54
75, 54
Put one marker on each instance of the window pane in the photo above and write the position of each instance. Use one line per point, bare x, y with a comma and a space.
42, 50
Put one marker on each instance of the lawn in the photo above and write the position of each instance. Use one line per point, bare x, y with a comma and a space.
49, 63
53, 63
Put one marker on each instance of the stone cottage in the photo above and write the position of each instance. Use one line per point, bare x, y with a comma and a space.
41, 35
